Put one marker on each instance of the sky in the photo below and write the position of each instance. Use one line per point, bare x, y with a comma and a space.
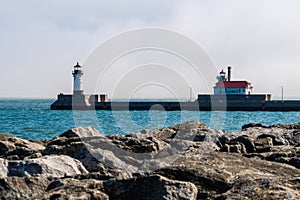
41, 41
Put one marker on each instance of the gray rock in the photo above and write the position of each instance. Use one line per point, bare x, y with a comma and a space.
247, 142
285, 155
70, 188
3, 167
20, 188
179, 162
81, 132
263, 144
96, 152
150, 187
253, 125
137, 144
221, 175
47, 166
122, 152
17, 148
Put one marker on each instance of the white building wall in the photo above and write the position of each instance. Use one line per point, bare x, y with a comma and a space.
77, 83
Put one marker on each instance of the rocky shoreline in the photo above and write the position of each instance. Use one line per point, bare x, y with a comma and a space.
186, 161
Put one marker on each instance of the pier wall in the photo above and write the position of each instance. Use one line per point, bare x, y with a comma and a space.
233, 102
205, 102
286, 105
77, 101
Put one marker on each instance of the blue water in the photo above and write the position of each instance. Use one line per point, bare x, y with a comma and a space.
32, 119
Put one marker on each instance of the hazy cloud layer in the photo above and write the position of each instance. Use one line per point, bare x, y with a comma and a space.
41, 40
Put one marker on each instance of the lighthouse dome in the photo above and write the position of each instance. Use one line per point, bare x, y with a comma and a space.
222, 72
77, 65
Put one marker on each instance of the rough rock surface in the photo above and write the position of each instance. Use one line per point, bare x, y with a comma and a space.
14, 148
55, 166
153, 187
70, 188
277, 143
186, 161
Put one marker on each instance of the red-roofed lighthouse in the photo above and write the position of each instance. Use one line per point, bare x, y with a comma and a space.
228, 87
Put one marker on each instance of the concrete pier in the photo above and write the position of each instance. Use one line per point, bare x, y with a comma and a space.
205, 102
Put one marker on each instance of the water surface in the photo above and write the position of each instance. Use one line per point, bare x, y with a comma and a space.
33, 119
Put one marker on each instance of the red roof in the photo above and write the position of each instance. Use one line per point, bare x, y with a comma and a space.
233, 84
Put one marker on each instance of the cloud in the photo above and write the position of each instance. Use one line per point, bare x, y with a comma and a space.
260, 39
41, 40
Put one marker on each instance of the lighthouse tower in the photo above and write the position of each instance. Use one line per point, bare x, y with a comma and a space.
77, 74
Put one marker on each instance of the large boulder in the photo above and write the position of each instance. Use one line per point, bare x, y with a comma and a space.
20, 188
276, 143
15, 148
288, 155
137, 143
220, 175
3, 167
81, 132
153, 187
278, 134
70, 188
47, 166
96, 152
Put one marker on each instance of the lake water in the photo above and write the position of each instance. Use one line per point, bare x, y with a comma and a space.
33, 119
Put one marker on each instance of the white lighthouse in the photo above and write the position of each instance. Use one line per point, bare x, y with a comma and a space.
77, 74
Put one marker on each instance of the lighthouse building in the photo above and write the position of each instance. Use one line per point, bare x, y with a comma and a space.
226, 86
77, 84
78, 100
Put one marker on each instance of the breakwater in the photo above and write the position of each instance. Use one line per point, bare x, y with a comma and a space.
205, 102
